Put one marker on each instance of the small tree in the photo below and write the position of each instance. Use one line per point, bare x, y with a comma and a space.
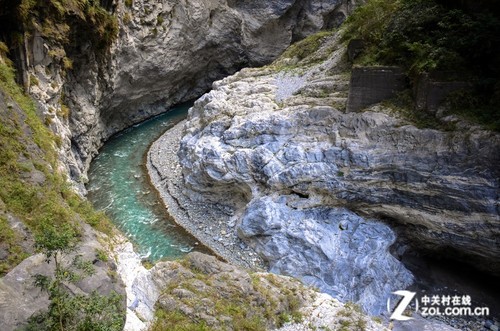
67, 311
54, 240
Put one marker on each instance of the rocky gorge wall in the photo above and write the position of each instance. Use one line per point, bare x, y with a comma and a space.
34, 201
280, 148
167, 52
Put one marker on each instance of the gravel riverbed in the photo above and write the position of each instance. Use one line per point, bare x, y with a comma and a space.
212, 224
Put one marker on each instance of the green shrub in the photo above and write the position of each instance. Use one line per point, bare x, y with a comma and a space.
369, 21
53, 239
68, 311
307, 46
423, 35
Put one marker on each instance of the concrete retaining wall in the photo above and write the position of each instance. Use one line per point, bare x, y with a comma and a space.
370, 85
430, 92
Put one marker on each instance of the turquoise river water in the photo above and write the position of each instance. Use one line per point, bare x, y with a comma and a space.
119, 185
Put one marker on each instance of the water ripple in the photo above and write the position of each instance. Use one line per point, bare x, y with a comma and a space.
117, 187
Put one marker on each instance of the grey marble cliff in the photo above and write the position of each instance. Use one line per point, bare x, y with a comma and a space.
306, 178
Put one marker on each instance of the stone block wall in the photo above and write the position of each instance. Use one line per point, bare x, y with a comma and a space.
430, 91
370, 85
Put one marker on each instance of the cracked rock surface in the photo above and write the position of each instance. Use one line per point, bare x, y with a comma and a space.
290, 166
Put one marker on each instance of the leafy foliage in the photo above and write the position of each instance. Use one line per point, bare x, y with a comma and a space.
424, 35
427, 36
66, 311
63, 20
81, 313
51, 240
368, 22
435, 36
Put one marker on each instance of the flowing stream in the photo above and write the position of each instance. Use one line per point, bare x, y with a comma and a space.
119, 185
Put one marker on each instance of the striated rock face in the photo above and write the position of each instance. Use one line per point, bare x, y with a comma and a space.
330, 248
166, 53
288, 166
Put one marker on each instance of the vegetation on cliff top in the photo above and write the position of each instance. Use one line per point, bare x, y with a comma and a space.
426, 35
62, 20
65, 24
307, 46
436, 36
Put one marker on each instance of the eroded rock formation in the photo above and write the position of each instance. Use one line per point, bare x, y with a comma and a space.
287, 164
